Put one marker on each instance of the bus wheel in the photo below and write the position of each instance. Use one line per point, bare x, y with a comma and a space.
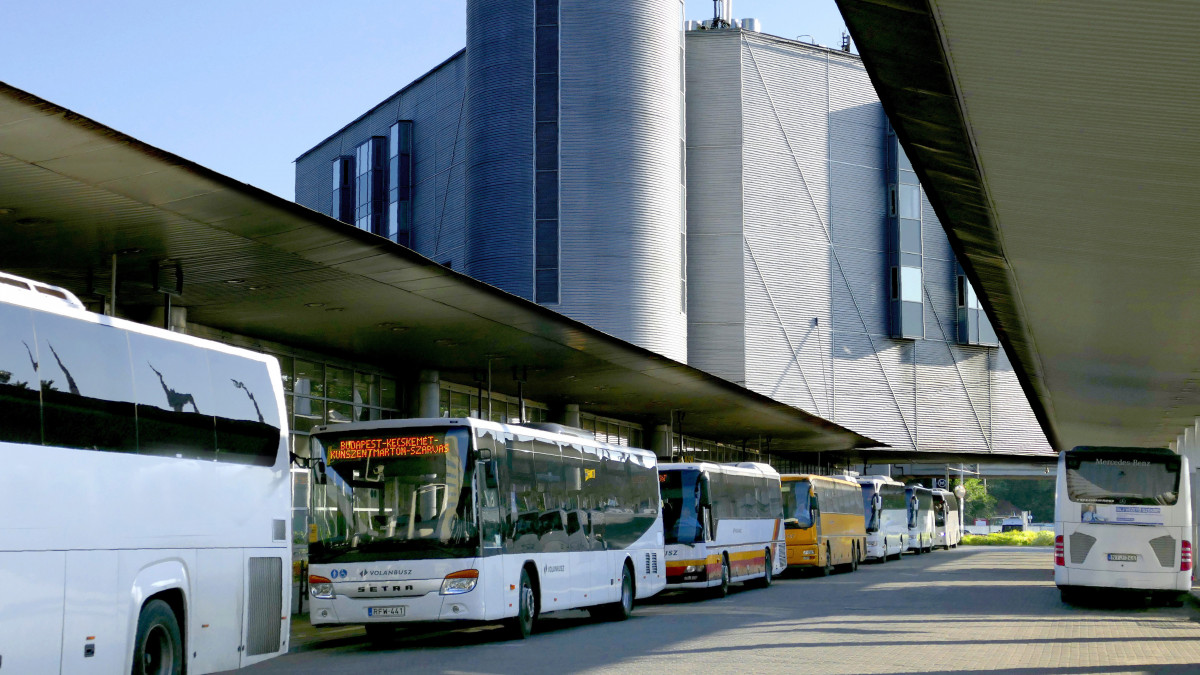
521, 625
826, 569
768, 576
854, 559
159, 646
722, 590
623, 608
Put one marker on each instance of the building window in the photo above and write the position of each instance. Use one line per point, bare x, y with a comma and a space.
370, 180
343, 189
974, 328
399, 220
907, 313
546, 224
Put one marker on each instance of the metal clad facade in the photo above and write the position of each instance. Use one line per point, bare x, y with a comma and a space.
499, 138
716, 262
620, 170
435, 106
815, 272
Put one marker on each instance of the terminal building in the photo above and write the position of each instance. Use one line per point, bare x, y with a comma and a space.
709, 192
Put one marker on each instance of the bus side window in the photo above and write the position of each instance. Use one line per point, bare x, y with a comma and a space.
20, 386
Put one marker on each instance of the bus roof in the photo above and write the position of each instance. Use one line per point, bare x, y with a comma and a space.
739, 469
471, 422
1114, 450
791, 477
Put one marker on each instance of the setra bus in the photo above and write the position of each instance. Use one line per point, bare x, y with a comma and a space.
469, 520
1123, 520
145, 493
724, 524
922, 529
824, 522
884, 508
947, 523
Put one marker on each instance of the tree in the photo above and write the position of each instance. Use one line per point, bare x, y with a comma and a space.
978, 503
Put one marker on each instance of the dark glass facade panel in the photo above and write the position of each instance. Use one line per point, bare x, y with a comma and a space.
905, 248
20, 385
546, 91
973, 328
370, 184
399, 217
342, 206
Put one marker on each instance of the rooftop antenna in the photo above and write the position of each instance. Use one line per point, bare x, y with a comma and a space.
845, 41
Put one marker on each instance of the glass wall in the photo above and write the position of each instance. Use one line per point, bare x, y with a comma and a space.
371, 172
399, 220
907, 318
974, 328
545, 233
342, 206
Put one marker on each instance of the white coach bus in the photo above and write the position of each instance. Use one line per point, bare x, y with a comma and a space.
145, 495
724, 524
469, 520
1123, 519
921, 528
886, 515
947, 520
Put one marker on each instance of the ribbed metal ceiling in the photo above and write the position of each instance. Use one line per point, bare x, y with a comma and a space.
73, 193
1060, 143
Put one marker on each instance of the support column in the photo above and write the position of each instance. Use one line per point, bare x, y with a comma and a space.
660, 442
571, 415
429, 393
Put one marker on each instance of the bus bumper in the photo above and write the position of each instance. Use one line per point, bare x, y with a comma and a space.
876, 548
802, 555
1139, 581
429, 607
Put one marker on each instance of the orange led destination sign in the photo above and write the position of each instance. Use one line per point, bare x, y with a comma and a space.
386, 448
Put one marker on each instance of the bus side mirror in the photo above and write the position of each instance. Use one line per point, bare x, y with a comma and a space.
320, 473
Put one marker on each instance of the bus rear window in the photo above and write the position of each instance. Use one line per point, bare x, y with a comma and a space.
1123, 480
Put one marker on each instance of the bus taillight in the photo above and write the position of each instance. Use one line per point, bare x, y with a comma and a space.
1060, 558
1185, 556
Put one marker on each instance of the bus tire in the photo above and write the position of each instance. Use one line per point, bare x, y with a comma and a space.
158, 648
721, 590
622, 609
854, 558
521, 626
768, 576
826, 569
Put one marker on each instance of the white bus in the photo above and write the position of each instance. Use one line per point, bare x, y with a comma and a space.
724, 524
921, 529
145, 495
470, 520
885, 509
947, 521
1123, 519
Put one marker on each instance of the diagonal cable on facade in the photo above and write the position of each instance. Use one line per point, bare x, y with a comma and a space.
946, 340
829, 239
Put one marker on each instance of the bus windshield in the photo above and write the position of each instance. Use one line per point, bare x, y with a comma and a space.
681, 495
395, 494
872, 506
797, 511
1123, 479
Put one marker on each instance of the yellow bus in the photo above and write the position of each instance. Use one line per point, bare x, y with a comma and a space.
823, 522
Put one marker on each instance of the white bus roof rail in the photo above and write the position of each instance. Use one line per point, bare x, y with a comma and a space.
10, 282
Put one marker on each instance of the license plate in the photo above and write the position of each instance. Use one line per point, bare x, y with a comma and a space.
1122, 557
385, 611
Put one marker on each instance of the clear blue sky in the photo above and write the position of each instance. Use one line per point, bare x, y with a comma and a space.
245, 86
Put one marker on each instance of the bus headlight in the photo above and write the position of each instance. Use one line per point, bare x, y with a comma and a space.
694, 568
810, 551
460, 582
320, 587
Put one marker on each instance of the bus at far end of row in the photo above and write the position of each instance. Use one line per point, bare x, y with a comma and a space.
921, 522
824, 522
947, 520
461, 520
1123, 520
724, 524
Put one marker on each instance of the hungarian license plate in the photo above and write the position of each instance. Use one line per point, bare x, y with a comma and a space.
386, 611
1122, 557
